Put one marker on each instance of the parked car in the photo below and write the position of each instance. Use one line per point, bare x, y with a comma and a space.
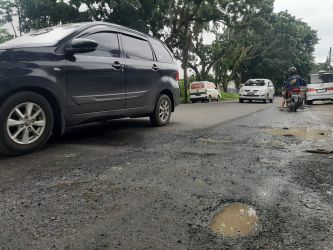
62, 76
257, 89
204, 91
320, 87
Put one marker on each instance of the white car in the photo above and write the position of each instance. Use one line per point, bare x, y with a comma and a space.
320, 88
204, 91
257, 89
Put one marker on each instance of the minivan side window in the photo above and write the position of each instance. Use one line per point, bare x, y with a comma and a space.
135, 48
161, 52
108, 44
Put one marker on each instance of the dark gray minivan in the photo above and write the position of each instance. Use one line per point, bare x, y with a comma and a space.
66, 75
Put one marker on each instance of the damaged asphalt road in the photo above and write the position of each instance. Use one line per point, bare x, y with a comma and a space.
125, 185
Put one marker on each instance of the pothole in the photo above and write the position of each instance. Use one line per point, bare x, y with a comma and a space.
235, 220
320, 151
305, 133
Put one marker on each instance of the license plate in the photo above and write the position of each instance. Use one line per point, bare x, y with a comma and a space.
250, 93
321, 90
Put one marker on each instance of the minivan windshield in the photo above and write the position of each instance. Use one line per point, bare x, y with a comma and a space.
255, 83
50, 36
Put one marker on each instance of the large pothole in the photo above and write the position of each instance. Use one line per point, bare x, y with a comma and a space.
235, 220
305, 133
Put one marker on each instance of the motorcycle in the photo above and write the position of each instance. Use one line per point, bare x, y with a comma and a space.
295, 99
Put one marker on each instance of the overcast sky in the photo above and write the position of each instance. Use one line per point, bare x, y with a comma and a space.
319, 15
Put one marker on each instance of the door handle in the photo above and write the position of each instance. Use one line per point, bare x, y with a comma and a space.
155, 67
118, 66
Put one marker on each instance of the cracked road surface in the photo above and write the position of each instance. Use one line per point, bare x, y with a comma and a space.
126, 185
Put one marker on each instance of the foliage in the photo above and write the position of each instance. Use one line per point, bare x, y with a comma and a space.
291, 43
4, 35
322, 67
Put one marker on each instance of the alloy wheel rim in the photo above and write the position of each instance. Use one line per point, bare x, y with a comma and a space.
164, 110
26, 123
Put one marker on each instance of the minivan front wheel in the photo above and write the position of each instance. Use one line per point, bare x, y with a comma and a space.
26, 123
162, 112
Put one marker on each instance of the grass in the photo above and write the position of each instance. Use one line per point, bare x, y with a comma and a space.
228, 96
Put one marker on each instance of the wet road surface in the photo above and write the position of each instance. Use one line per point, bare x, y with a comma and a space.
126, 185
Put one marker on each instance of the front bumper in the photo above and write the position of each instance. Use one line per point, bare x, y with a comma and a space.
253, 97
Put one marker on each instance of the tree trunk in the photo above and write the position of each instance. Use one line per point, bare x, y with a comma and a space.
185, 65
186, 50
15, 34
19, 19
225, 87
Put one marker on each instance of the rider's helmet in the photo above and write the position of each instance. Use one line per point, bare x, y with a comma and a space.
292, 70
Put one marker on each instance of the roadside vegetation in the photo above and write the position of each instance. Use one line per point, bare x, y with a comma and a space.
249, 39
228, 96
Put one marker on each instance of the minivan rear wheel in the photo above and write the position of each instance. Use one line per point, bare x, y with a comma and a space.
162, 112
26, 123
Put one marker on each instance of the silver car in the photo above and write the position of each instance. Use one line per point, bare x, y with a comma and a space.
257, 89
320, 87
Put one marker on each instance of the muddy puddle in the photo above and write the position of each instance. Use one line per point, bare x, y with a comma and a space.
304, 133
235, 220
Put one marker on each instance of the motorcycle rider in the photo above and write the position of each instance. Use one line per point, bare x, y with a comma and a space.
294, 80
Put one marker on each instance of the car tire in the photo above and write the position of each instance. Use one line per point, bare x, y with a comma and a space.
272, 100
162, 112
218, 98
209, 99
241, 100
265, 100
26, 123
309, 102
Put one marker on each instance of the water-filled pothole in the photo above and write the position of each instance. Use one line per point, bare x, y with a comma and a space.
235, 220
305, 133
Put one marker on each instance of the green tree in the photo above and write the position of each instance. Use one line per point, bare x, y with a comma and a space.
236, 39
4, 35
36, 14
294, 42
322, 67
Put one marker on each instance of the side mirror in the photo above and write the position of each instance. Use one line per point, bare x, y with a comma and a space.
81, 45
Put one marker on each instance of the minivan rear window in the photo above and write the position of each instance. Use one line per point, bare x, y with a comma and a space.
135, 48
327, 78
161, 52
315, 79
323, 78
197, 85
